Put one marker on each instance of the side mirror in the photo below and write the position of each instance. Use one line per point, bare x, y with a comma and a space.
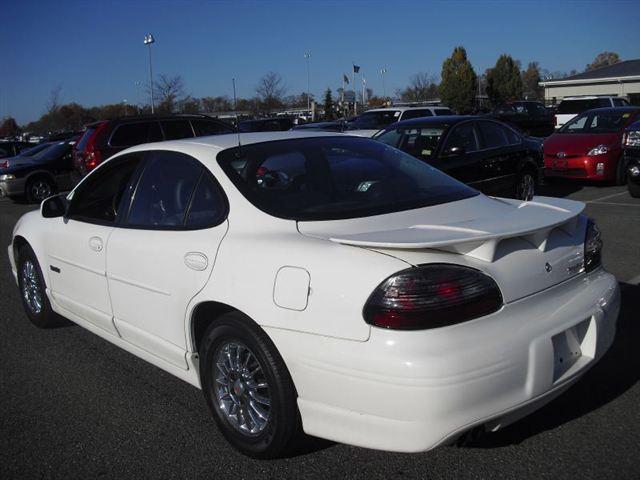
455, 151
55, 206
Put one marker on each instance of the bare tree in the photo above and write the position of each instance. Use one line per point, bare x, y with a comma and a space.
170, 92
270, 90
422, 86
54, 99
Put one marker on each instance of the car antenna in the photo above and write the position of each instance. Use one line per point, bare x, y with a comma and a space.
235, 108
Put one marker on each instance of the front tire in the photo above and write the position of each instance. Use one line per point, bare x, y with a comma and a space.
248, 388
33, 291
526, 185
634, 188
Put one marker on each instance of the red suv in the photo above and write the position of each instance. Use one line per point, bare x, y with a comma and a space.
107, 137
589, 147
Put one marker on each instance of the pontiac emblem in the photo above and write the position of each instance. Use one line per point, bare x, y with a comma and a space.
548, 267
561, 155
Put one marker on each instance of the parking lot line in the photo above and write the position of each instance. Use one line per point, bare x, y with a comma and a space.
596, 200
615, 204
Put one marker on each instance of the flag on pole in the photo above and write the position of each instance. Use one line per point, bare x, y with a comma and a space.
356, 68
345, 79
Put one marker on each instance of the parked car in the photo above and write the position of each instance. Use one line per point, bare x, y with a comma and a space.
41, 174
483, 153
324, 283
531, 118
569, 107
372, 121
278, 124
631, 146
589, 147
333, 126
105, 138
11, 148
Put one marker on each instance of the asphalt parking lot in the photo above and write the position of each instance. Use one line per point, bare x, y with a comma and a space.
74, 406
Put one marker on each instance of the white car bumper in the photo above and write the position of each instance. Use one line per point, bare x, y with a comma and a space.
412, 391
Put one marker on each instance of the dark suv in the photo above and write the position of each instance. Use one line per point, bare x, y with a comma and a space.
531, 118
105, 138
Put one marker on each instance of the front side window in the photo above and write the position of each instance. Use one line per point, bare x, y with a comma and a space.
176, 129
97, 199
203, 128
493, 135
327, 178
408, 114
443, 112
463, 137
131, 134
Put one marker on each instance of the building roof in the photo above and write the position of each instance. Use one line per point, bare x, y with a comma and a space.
620, 70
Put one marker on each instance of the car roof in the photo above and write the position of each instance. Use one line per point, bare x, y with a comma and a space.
403, 109
589, 97
451, 119
629, 108
139, 118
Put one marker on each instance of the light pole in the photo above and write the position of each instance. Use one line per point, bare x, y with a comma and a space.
308, 57
137, 85
384, 91
148, 40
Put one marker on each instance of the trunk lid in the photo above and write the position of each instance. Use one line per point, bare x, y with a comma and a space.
525, 246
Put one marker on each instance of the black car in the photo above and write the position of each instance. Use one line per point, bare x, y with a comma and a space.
105, 138
631, 145
531, 118
47, 170
279, 124
334, 126
10, 148
484, 153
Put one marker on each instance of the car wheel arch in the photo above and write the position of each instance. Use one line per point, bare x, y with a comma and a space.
203, 315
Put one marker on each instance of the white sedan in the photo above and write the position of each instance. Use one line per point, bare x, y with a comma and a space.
331, 285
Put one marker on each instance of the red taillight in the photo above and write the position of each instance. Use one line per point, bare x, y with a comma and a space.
432, 296
4, 163
92, 155
92, 159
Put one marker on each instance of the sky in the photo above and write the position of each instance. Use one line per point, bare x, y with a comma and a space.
94, 50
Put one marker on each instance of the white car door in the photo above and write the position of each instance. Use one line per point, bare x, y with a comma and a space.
75, 250
162, 254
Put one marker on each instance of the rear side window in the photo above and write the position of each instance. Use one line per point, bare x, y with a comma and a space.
175, 192
618, 102
176, 129
416, 114
203, 128
443, 111
97, 198
82, 144
493, 135
131, 134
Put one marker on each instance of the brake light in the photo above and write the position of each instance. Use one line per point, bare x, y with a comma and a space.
93, 156
432, 296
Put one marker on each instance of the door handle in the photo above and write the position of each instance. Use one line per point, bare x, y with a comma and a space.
95, 243
196, 261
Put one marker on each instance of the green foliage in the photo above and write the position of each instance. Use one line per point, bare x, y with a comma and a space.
459, 82
9, 127
503, 81
329, 107
531, 82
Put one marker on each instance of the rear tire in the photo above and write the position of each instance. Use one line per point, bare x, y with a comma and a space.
526, 185
634, 188
39, 188
248, 388
33, 291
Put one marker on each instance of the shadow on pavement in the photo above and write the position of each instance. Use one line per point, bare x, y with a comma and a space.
617, 372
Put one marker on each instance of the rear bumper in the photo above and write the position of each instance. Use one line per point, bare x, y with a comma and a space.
598, 168
12, 188
412, 391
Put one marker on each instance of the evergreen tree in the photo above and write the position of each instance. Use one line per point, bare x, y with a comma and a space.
459, 82
531, 82
503, 81
329, 107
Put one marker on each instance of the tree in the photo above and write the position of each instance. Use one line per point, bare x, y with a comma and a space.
216, 104
531, 82
9, 127
329, 107
270, 91
603, 59
54, 99
503, 81
422, 86
190, 105
459, 82
169, 91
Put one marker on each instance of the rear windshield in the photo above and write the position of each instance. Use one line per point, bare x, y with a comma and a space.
375, 120
332, 178
579, 106
443, 111
598, 122
82, 144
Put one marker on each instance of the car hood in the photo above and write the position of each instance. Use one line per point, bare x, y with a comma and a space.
513, 241
578, 143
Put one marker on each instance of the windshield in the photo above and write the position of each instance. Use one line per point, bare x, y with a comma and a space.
598, 122
328, 178
418, 141
579, 106
30, 152
375, 120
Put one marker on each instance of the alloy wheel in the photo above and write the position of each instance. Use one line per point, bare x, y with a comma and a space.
31, 287
41, 189
526, 187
